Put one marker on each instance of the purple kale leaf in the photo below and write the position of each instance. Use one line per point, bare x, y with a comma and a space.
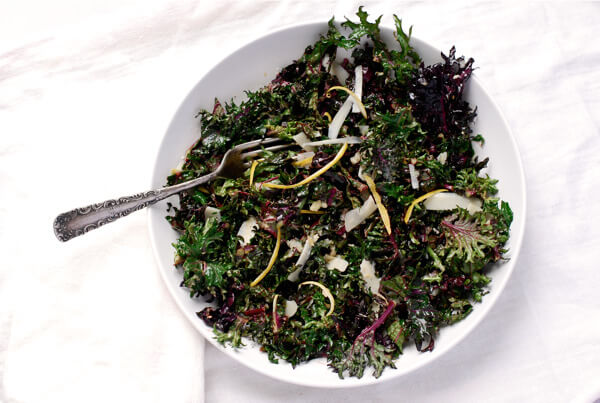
436, 97
369, 349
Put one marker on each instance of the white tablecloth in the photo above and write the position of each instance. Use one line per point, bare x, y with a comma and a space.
86, 92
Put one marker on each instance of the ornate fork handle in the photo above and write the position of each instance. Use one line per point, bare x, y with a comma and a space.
81, 220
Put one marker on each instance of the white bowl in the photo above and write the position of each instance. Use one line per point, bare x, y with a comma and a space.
253, 66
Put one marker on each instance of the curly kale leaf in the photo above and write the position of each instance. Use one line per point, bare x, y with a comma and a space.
405, 60
363, 353
198, 239
203, 268
396, 331
465, 238
394, 288
472, 241
406, 51
506, 215
368, 350
401, 64
436, 97
363, 27
395, 138
469, 181
422, 320
327, 45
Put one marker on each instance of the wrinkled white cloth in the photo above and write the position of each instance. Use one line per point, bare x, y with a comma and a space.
86, 92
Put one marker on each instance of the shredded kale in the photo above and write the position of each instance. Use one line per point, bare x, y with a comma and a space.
392, 288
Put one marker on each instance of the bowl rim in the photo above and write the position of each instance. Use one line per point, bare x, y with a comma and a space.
440, 351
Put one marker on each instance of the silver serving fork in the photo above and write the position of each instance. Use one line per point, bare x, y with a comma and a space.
81, 220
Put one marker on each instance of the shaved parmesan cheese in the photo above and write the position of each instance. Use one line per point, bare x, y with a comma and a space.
294, 246
361, 175
293, 276
304, 255
367, 271
442, 157
302, 139
414, 180
364, 129
211, 212
355, 159
358, 84
340, 72
418, 200
290, 308
356, 216
449, 201
339, 118
355, 98
316, 206
326, 62
342, 113
247, 230
337, 263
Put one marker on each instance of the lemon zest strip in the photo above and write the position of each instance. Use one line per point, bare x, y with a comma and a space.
418, 200
385, 217
273, 257
252, 169
357, 101
315, 175
325, 292
311, 212
302, 163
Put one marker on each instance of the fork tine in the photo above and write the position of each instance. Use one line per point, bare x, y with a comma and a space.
274, 148
254, 143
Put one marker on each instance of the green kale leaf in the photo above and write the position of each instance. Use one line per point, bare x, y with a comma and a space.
465, 239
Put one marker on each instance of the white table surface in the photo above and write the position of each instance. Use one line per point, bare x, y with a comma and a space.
86, 91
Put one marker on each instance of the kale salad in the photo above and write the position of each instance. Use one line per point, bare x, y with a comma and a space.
371, 235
